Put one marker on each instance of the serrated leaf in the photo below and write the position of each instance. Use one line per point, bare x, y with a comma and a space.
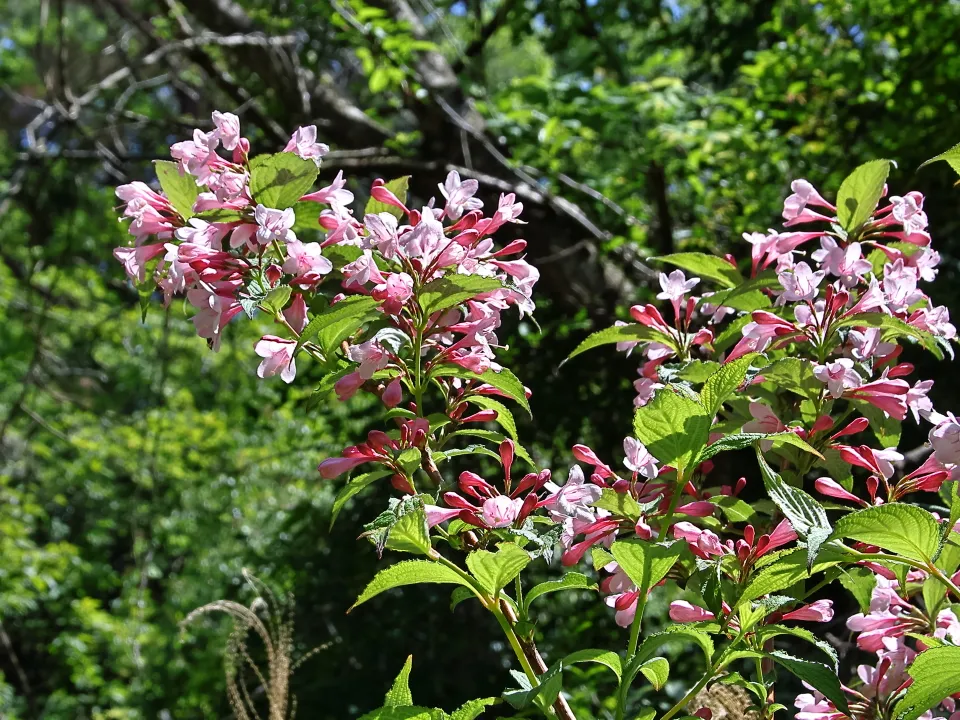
180, 188
860, 192
497, 438
503, 380
351, 307
504, 417
816, 675
475, 449
787, 570
893, 328
806, 515
936, 676
656, 671
859, 581
621, 504
706, 266
219, 215
408, 572
951, 157
795, 375
602, 657
404, 713
459, 595
747, 296
725, 382
280, 180
646, 563
547, 691
398, 186
472, 709
620, 333
452, 290
493, 570
901, 529
698, 371
739, 441
673, 427
770, 631
399, 693
352, 487
570, 581
410, 533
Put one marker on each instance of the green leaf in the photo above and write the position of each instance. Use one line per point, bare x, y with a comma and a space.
546, 692
673, 427
725, 382
951, 157
860, 192
503, 380
698, 371
352, 487
621, 504
743, 440
893, 328
656, 671
404, 713
472, 709
787, 570
901, 529
795, 375
806, 515
351, 308
474, 449
399, 694
280, 180
408, 572
936, 676
452, 290
735, 509
570, 581
410, 533
602, 657
219, 215
497, 438
398, 186
815, 674
180, 188
621, 333
770, 631
504, 416
277, 299
646, 563
886, 429
746, 297
493, 570
706, 266
859, 581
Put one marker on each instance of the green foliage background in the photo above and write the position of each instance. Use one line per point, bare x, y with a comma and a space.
139, 473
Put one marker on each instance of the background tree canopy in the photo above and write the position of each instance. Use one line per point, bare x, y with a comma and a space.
139, 473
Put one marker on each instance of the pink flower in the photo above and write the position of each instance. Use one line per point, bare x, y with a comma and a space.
908, 211
888, 395
304, 144
228, 129
296, 314
200, 232
306, 262
945, 438
684, 612
879, 462
703, 543
639, 459
819, 611
501, 511
803, 194
361, 271
846, 263
371, 355
334, 467
277, 355
935, 320
646, 389
382, 234
814, 706
459, 195
900, 286
764, 250
799, 283
347, 386
838, 376
335, 195
397, 289
135, 259
675, 285
831, 488
866, 344
573, 499
393, 393
273, 224
764, 421
437, 515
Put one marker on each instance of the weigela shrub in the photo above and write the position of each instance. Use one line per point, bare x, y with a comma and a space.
795, 355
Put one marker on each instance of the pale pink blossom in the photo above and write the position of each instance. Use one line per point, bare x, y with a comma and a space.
646, 389
703, 543
639, 459
501, 511
361, 271
819, 611
945, 439
846, 263
866, 344
273, 224
459, 195
277, 355
908, 211
799, 283
304, 144
228, 129
135, 259
371, 355
676, 285
296, 314
572, 499
838, 376
900, 286
306, 262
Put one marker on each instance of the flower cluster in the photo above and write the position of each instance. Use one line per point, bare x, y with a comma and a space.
800, 360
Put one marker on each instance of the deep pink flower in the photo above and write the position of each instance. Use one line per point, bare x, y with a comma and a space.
819, 611
683, 612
